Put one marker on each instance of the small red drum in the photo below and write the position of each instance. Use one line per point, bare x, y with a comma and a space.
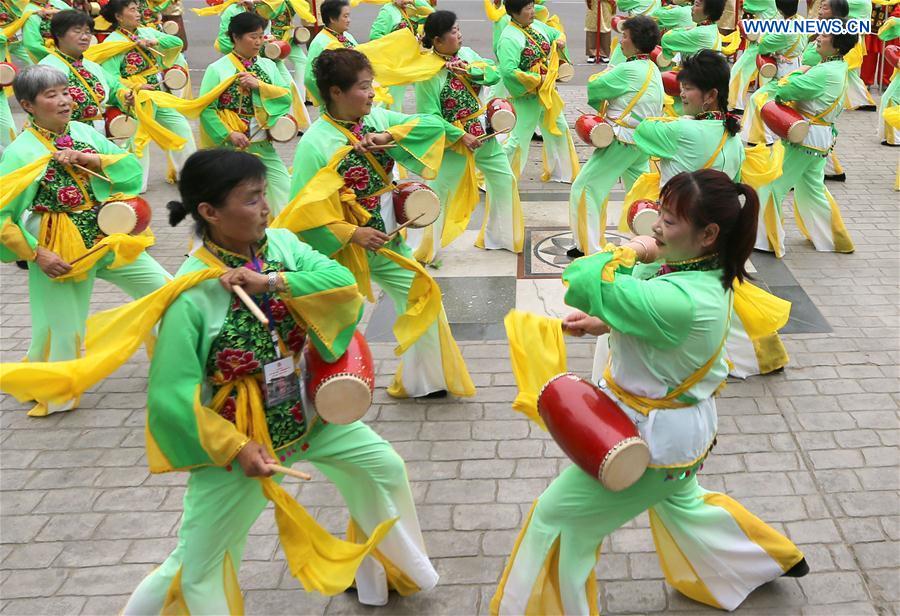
593, 431
277, 50
301, 35
175, 78
129, 216
415, 201
785, 121
283, 129
660, 58
892, 55
7, 74
94, 8
119, 125
670, 83
170, 27
642, 215
594, 130
500, 115
565, 73
94, 40
342, 391
214, 2
617, 22
766, 66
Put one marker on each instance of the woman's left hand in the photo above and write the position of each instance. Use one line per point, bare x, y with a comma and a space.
372, 141
252, 282
74, 157
248, 81
579, 323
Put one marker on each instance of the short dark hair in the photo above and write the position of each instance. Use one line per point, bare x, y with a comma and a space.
839, 8
713, 9
331, 10
514, 7
209, 176
113, 8
245, 23
708, 70
338, 67
64, 21
644, 32
788, 8
437, 24
844, 42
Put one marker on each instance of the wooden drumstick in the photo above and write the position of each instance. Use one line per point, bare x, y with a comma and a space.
289, 471
487, 136
404, 225
85, 255
93, 173
157, 52
381, 147
250, 304
582, 111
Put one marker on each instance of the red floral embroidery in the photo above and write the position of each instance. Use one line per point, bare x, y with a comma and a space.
295, 340
370, 203
449, 103
456, 84
461, 114
528, 52
234, 363
225, 99
64, 141
545, 46
70, 196
356, 178
99, 89
229, 409
278, 310
133, 58
297, 412
91, 111
77, 94
50, 175
476, 129
4, 18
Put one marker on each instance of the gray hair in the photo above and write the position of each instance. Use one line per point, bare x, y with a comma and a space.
34, 79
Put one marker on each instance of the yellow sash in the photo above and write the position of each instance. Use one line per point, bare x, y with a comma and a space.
634, 101
97, 99
712, 159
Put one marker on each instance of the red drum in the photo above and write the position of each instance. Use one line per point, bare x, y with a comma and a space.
129, 216
175, 78
7, 74
767, 66
119, 125
283, 129
642, 215
94, 40
277, 50
500, 115
785, 121
94, 8
565, 73
660, 58
670, 83
593, 431
617, 22
594, 130
301, 35
342, 391
415, 201
892, 55
170, 27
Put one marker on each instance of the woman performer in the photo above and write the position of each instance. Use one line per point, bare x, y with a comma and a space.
254, 101
7, 123
211, 349
668, 327
818, 94
36, 37
453, 94
625, 95
709, 140
397, 15
335, 35
858, 95
139, 67
10, 13
528, 55
53, 171
431, 364
889, 134
90, 87
704, 34
632, 8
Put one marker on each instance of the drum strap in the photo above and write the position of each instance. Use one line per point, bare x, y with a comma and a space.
87, 86
84, 191
817, 118
715, 155
634, 101
372, 160
644, 405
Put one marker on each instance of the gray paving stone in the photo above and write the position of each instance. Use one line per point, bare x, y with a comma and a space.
822, 588
623, 597
485, 517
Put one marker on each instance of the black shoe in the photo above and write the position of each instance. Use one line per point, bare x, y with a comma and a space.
574, 253
866, 108
299, 133
22, 265
435, 395
309, 103
537, 137
890, 145
798, 570
840, 177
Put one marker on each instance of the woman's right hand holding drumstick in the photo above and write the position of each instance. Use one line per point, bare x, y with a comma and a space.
579, 323
51, 263
255, 460
252, 282
369, 238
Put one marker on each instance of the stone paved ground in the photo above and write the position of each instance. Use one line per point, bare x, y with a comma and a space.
814, 451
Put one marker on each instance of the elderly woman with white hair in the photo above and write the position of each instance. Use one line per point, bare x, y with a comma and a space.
55, 176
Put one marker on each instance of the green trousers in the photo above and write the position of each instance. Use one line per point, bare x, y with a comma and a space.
560, 162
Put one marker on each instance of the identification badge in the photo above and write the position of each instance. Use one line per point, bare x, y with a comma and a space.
282, 383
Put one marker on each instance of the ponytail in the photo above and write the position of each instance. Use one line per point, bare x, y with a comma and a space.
735, 249
177, 212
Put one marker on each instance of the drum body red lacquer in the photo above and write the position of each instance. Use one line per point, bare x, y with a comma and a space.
118, 124
892, 55
784, 121
129, 216
500, 115
670, 83
766, 66
342, 391
642, 214
660, 58
594, 130
593, 431
415, 201
277, 50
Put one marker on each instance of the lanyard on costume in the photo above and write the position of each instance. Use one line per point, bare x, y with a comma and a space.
634, 101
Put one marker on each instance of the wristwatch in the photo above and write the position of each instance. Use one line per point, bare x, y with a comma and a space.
273, 282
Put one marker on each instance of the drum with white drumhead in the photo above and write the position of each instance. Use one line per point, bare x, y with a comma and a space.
415, 201
175, 78
283, 129
130, 216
